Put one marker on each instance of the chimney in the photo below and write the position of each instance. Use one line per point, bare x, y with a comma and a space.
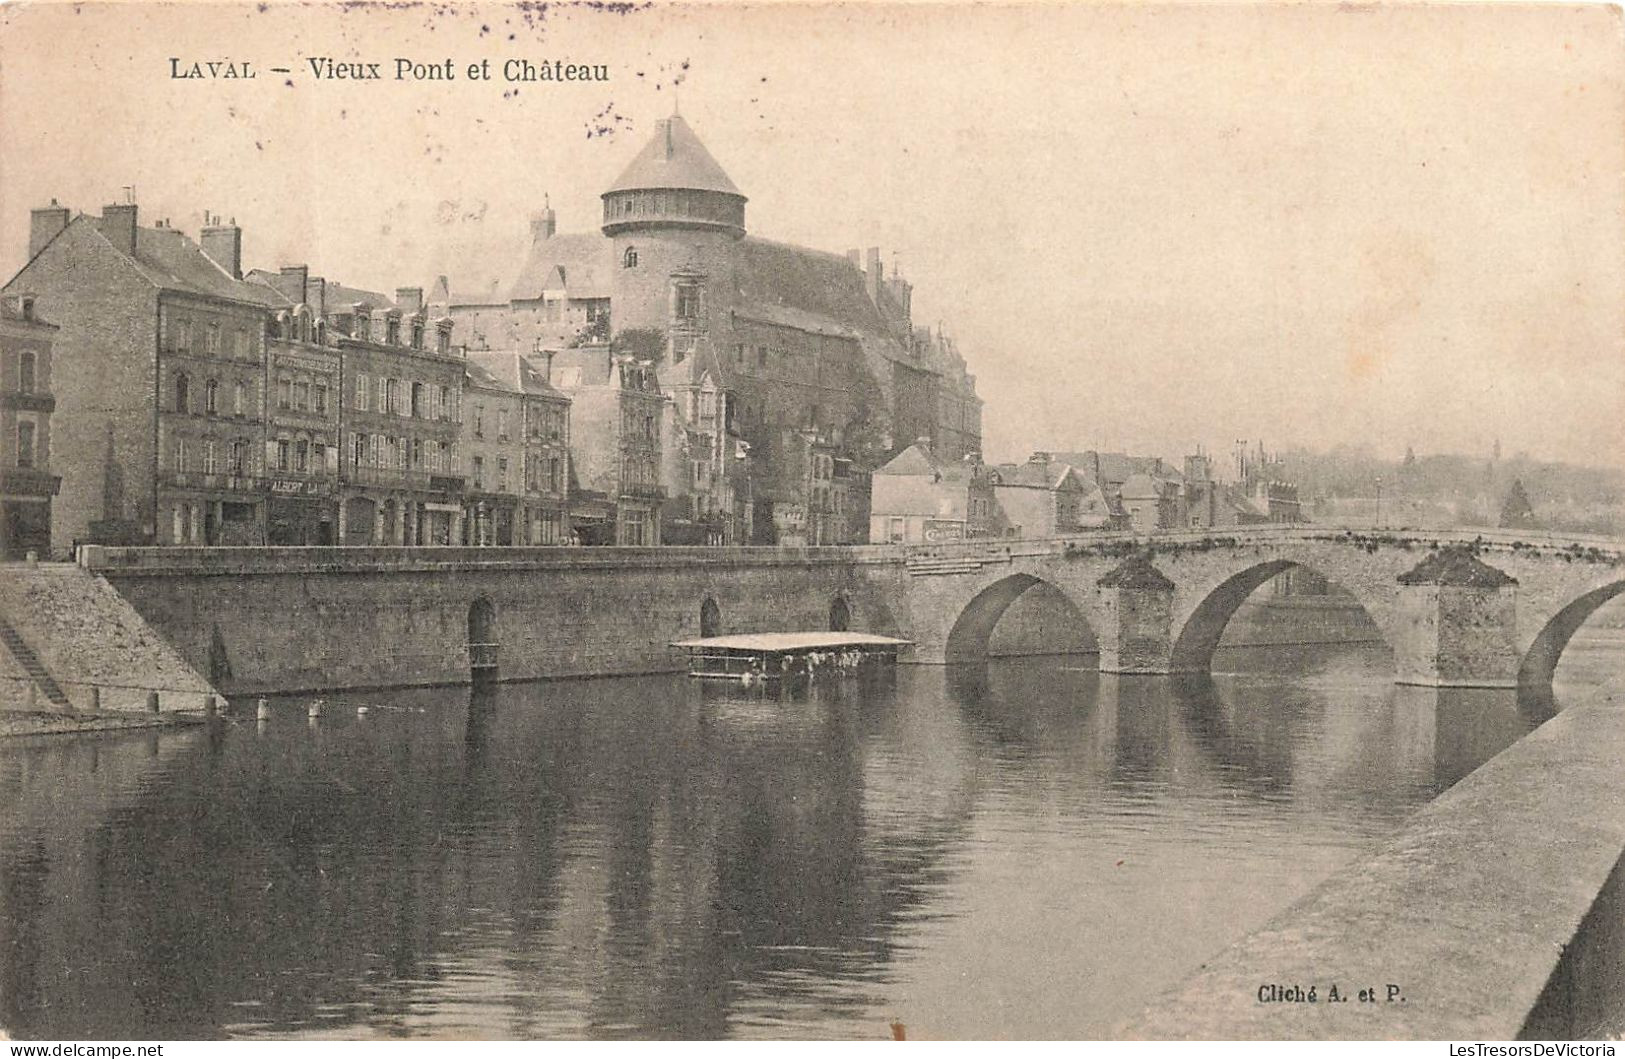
290, 282
544, 224
410, 299
44, 224
118, 225
872, 274
316, 296
223, 244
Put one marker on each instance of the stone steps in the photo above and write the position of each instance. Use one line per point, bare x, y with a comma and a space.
31, 664
99, 650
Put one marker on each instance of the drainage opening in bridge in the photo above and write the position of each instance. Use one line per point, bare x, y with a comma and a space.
482, 639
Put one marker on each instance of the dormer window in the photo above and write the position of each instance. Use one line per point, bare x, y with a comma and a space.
417, 334
392, 331
28, 308
630, 258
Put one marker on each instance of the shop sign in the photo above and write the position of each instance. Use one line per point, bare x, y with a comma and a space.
298, 487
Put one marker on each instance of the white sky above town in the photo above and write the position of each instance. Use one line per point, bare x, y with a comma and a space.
1149, 228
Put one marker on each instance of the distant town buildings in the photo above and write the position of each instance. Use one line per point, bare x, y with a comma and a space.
26, 482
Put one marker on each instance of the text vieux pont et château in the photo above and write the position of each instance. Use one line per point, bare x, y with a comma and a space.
326, 69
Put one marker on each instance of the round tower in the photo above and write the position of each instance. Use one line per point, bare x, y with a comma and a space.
674, 220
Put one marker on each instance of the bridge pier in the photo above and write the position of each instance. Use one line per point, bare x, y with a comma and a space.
1136, 611
1457, 623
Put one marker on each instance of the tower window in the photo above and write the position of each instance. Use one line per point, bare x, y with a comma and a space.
688, 301
630, 258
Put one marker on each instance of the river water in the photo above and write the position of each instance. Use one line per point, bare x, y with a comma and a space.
1023, 849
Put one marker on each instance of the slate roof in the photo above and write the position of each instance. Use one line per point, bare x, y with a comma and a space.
170, 260
911, 461
674, 158
579, 262
1050, 475
508, 370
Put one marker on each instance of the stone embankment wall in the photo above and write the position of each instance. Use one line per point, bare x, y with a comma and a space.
303, 619
92, 642
1495, 913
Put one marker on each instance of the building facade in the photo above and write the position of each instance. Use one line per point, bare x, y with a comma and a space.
616, 444
915, 500
26, 482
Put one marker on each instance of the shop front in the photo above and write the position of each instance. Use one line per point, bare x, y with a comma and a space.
300, 513
492, 519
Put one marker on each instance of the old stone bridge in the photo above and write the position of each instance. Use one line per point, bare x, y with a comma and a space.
1458, 609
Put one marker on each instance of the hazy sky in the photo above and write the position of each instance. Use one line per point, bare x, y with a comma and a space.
1149, 227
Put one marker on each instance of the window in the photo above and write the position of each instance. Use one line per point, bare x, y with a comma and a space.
319, 398
445, 457
211, 397
630, 258
209, 456
212, 340
502, 424
392, 402
301, 455
25, 443
555, 475
479, 421
417, 334
443, 407
284, 393
180, 455
183, 396
688, 301
502, 474
25, 371
282, 449
358, 450
479, 472
403, 453
301, 395
417, 453
418, 411
235, 457
443, 342
183, 334
761, 356
362, 398
242, 350
237, 399
392, 331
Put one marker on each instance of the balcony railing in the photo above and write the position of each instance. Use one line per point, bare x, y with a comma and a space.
236, 483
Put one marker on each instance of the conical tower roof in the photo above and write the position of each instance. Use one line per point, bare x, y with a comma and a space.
674, 158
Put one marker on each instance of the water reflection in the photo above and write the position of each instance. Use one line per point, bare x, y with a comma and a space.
1022, 848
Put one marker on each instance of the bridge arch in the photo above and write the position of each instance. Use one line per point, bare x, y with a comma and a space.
972, 630
1199, 635
1540, 661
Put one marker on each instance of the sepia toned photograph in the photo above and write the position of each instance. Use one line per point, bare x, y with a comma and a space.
812, 521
